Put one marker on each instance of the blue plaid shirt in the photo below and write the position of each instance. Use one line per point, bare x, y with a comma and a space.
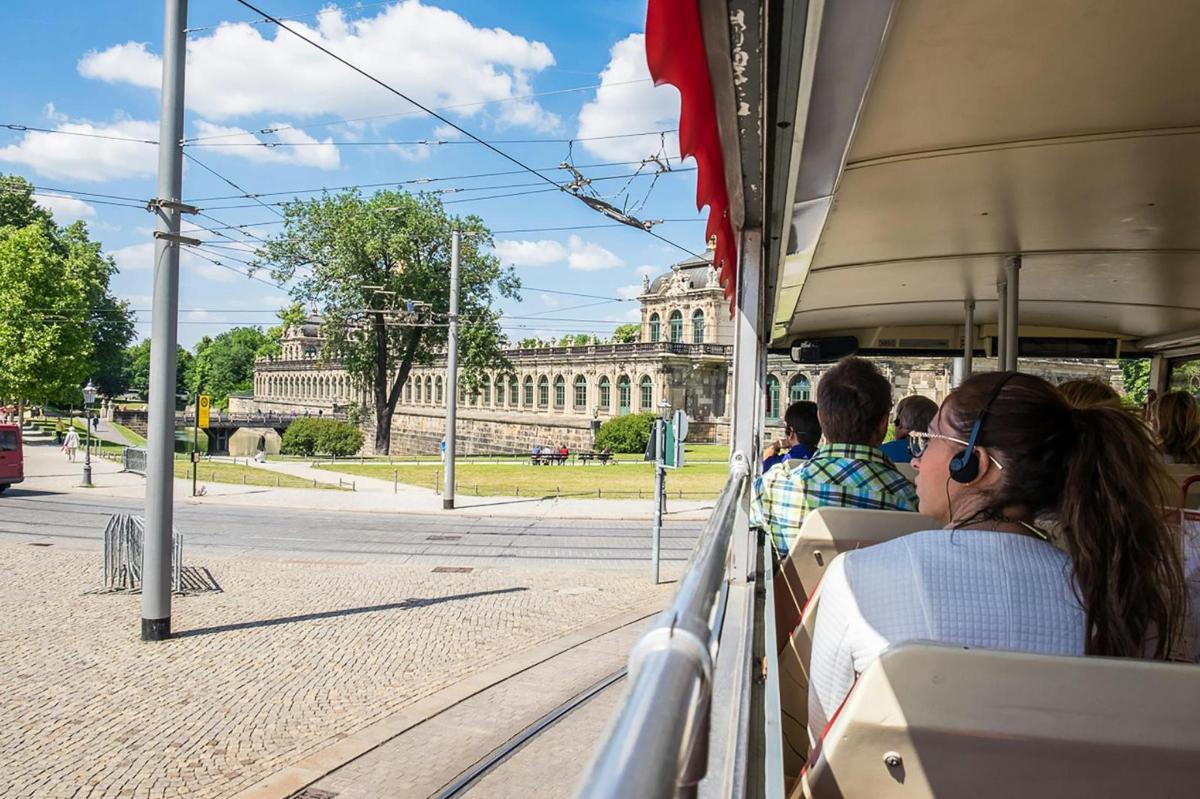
839, 475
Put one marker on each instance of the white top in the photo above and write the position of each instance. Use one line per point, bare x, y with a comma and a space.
975, 588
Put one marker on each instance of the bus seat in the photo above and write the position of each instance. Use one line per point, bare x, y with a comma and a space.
793, 689
1188, 488
824, 533
908, 470
929, 720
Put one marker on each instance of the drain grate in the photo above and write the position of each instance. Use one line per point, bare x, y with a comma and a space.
313, 793
453, 569
442, 537
39, 544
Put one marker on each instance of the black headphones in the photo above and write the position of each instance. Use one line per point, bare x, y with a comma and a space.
964, 467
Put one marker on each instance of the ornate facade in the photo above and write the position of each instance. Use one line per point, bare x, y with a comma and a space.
555, 395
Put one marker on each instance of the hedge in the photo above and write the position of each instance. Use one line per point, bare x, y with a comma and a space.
629, 433
317, 436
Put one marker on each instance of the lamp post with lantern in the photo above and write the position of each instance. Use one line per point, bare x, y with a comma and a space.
89, 397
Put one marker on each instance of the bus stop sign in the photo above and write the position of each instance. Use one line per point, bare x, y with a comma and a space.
202, 405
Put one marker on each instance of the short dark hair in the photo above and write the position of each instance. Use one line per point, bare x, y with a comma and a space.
801, 419
915, 413
854, 399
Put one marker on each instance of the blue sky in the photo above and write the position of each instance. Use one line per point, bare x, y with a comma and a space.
528, 70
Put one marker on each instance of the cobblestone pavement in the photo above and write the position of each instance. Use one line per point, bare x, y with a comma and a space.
290, 658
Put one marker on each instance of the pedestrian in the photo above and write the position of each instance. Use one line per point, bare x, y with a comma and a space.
442, 450
70, 444
58, 431
260, 453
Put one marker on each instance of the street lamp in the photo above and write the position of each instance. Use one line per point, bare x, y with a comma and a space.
89, 396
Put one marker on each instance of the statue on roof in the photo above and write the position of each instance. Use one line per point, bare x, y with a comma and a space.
645, 283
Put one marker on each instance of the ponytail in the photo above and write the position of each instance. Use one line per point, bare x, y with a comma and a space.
1126, 555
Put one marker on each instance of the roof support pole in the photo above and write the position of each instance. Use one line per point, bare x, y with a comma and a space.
1012, 276
1001, 324
968, 338
749, 369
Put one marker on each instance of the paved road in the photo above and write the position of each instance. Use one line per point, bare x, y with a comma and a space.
29, 516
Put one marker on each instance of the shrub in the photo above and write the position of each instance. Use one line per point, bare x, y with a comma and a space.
317, 436
626, 433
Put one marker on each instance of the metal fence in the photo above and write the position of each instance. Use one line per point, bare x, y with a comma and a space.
123, 539
658, 744
134, 460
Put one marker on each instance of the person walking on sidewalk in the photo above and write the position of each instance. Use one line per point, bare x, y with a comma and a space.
70, 444
58, 431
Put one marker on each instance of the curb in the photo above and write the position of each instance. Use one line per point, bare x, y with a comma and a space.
313, 767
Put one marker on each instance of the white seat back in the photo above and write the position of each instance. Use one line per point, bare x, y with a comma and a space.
927, 720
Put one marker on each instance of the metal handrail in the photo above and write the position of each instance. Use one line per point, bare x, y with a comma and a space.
662, 720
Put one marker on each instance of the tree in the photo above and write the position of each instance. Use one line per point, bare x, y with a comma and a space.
17, 208
359, 261
112, 330
626, 433
137, 359
225, 364
45, 345
1135, 374
627, 334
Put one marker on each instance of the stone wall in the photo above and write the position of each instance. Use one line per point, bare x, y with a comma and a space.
419, 432
134, 420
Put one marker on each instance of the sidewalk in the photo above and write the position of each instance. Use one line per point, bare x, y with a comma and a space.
46, 469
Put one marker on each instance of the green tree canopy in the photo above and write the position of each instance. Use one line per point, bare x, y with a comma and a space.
225, 364
627, 334
359, 261
137, 369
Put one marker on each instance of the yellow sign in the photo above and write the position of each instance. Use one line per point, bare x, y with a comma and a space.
202, 413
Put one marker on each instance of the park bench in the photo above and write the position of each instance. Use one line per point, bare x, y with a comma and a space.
599, 457
547, 459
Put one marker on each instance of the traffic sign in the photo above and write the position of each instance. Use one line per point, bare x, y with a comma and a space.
202, 405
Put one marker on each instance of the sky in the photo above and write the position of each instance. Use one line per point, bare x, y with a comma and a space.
546, 82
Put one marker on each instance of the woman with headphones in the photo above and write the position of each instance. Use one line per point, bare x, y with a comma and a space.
1004, 457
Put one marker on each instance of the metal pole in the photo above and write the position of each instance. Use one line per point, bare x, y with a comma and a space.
196, 443
1011, 324
660, 441
1001, 325
87, 449
160, 427
749, 381
452, 376
968, 337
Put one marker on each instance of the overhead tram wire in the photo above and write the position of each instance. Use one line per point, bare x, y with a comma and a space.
27, 128
412, 142
212, 171
441, 118
200, 254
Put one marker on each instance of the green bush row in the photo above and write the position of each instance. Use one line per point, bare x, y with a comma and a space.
316, 436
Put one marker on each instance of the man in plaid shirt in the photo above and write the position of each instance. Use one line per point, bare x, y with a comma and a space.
853, 403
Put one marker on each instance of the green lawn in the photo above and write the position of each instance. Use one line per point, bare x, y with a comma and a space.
221, 472
624, 481
133, 438
706, 452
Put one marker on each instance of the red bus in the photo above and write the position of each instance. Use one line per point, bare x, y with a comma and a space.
12, 459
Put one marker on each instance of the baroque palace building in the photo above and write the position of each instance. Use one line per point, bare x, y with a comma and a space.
560, 395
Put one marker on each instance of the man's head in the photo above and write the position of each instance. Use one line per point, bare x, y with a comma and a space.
913, 414
853, 401
801, 425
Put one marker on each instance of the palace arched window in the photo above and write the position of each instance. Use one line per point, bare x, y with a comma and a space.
676, 327
528, 400
772, 397
799, 389
513, 396
605, 401
646, 389
580, 393
655, 325
543, 391
624, 390
499, 390
697, 326
560, 392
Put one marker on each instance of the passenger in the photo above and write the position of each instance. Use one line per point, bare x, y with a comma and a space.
853, 400
1176, 420
1088, 393
802, 434
1005, 453
913, 414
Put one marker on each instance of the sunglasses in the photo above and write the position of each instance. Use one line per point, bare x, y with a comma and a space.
919, 442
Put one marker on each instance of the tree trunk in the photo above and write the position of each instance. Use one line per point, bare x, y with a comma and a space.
386, 396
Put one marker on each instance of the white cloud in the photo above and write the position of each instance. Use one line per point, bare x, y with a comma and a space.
549, 301
530, 253
446, 133
319, 153
580, 255
65, 210
648, 270
587, 256
140, 257
621, 107
433, 54
138, 300
629, 292
88, 159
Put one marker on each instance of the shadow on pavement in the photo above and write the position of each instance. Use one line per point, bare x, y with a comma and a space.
407, 604
30, 492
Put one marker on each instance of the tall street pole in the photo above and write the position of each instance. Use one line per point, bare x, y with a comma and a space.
452, 376
160, 428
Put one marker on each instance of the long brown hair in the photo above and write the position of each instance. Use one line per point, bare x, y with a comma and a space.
1096, 472
1176, 417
